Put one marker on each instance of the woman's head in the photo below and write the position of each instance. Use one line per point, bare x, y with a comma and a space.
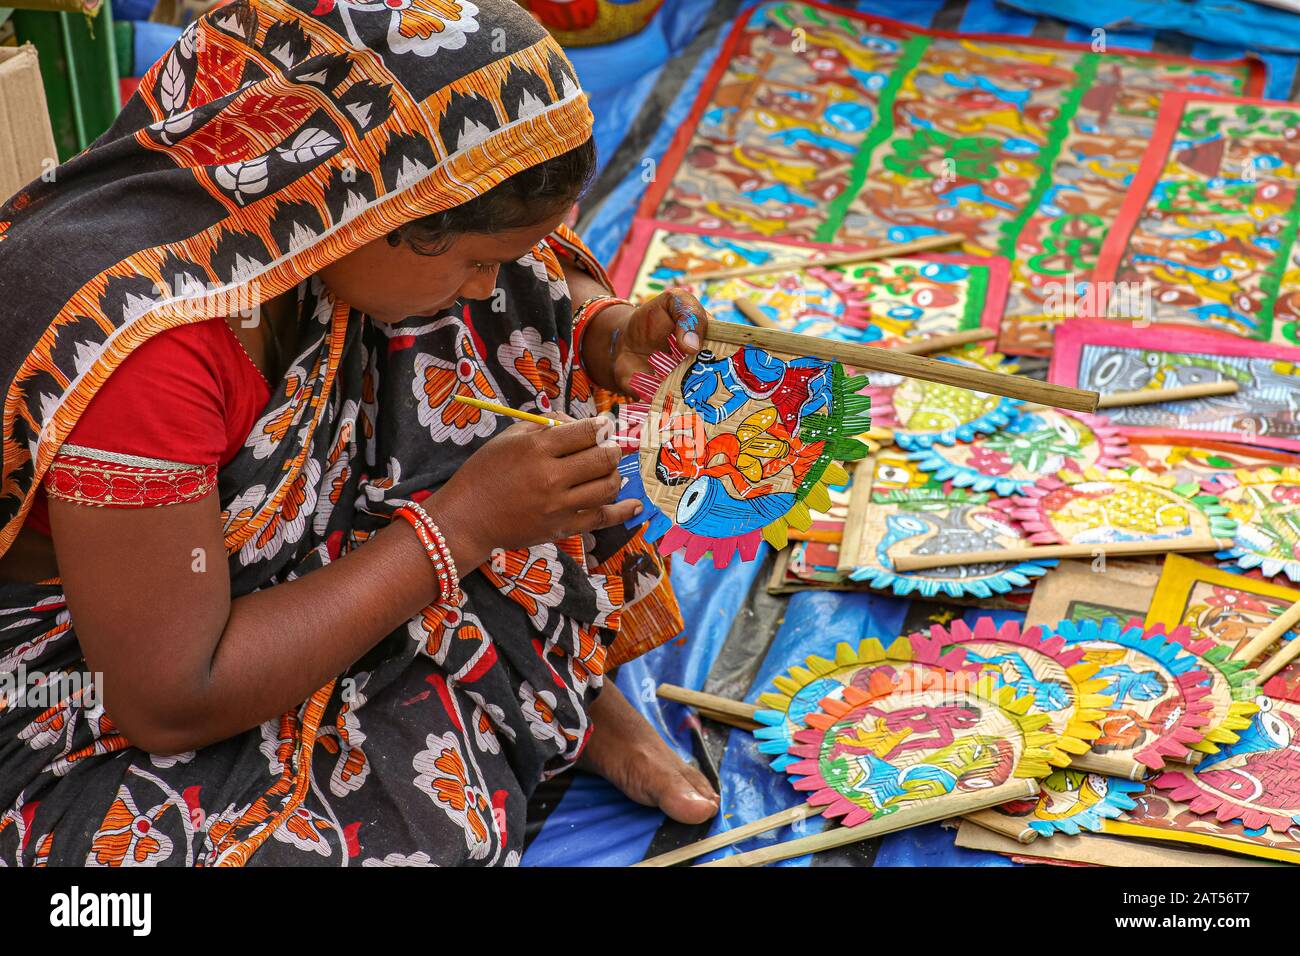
427, 264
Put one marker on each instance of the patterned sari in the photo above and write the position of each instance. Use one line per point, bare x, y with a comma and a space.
273, 138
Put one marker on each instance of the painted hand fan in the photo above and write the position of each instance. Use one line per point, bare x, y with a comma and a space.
1159, 816
935, 519
922, 413
893, 750
1255, 780
738, 445
1036, 663
1069, 801
1265, 504
1161, 696
801, 690
1033, 445
1103, 507
1232, 687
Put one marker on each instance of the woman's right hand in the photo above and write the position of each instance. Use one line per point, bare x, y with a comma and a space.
531, 484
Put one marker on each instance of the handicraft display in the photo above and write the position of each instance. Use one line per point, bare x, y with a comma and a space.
1032, 445
1070, 801
738, 445
1112, 357
1265, 504
873, 131
878, 302
1255, 780
911, 513
801, 690
1229, 609
1103, 507
922, 413
1208, 227
927, 741
1062, 684
1160, 692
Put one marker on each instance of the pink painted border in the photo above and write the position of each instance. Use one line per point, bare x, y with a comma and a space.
632, 253
1172, 107
1073, 335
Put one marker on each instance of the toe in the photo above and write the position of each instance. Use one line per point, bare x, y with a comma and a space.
687, 797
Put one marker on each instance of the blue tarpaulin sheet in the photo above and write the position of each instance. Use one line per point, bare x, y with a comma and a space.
737, 638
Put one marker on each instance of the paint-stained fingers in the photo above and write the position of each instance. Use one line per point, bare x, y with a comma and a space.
688, 317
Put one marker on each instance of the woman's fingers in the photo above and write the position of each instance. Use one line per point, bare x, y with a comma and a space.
590, 464
688, 318
607, 516
591, 494
572, 436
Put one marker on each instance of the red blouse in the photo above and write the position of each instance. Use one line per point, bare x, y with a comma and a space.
167, 419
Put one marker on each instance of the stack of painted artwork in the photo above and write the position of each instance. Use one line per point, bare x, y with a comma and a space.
1126, 223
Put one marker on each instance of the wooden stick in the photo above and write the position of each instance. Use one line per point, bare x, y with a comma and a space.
1144, 396
729, 719
505, 410
710, 702
689, 852
1264, 639
936, 343
941, 343
1285, 655
756, 315
872, 358
923, 811
1007, 826
820, 535
923, 562
925, 244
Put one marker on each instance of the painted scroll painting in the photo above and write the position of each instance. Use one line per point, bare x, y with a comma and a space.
1208, 228
877, 302
1112, 357
1228, 608
880, 132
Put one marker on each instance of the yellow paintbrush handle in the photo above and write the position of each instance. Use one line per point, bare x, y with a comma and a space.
505, 410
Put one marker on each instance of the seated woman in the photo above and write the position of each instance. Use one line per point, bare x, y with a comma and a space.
236, 487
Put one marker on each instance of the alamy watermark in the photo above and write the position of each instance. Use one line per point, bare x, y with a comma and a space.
1073, 296
37, 689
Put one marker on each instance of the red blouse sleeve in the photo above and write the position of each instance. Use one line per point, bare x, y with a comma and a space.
156, 431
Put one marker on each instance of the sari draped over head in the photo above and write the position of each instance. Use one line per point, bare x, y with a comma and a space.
272, 139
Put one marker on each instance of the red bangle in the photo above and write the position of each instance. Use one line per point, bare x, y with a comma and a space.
583, 315
435, 546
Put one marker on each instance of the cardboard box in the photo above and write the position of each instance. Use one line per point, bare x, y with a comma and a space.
26, 140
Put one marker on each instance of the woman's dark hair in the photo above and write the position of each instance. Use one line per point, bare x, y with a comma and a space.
525, 199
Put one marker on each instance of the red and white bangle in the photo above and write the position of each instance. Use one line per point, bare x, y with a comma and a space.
435, 546
587, 311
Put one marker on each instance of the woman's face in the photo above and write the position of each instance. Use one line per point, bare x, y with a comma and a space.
391, 283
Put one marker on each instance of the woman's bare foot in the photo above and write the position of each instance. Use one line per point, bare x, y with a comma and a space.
626, 751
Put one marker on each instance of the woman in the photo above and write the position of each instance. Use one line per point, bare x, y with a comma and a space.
378, 189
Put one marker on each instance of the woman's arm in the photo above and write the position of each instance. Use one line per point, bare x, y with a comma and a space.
183, 665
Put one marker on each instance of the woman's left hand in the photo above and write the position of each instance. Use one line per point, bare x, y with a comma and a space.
648, 328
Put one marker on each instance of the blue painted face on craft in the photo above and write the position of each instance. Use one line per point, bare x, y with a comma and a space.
809, 698
705, 509
1267, 731
701, 380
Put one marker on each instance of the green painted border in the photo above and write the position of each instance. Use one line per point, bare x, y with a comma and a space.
1085, 73
977, 293
883, 128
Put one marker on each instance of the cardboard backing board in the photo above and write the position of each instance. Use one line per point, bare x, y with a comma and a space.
26, 140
